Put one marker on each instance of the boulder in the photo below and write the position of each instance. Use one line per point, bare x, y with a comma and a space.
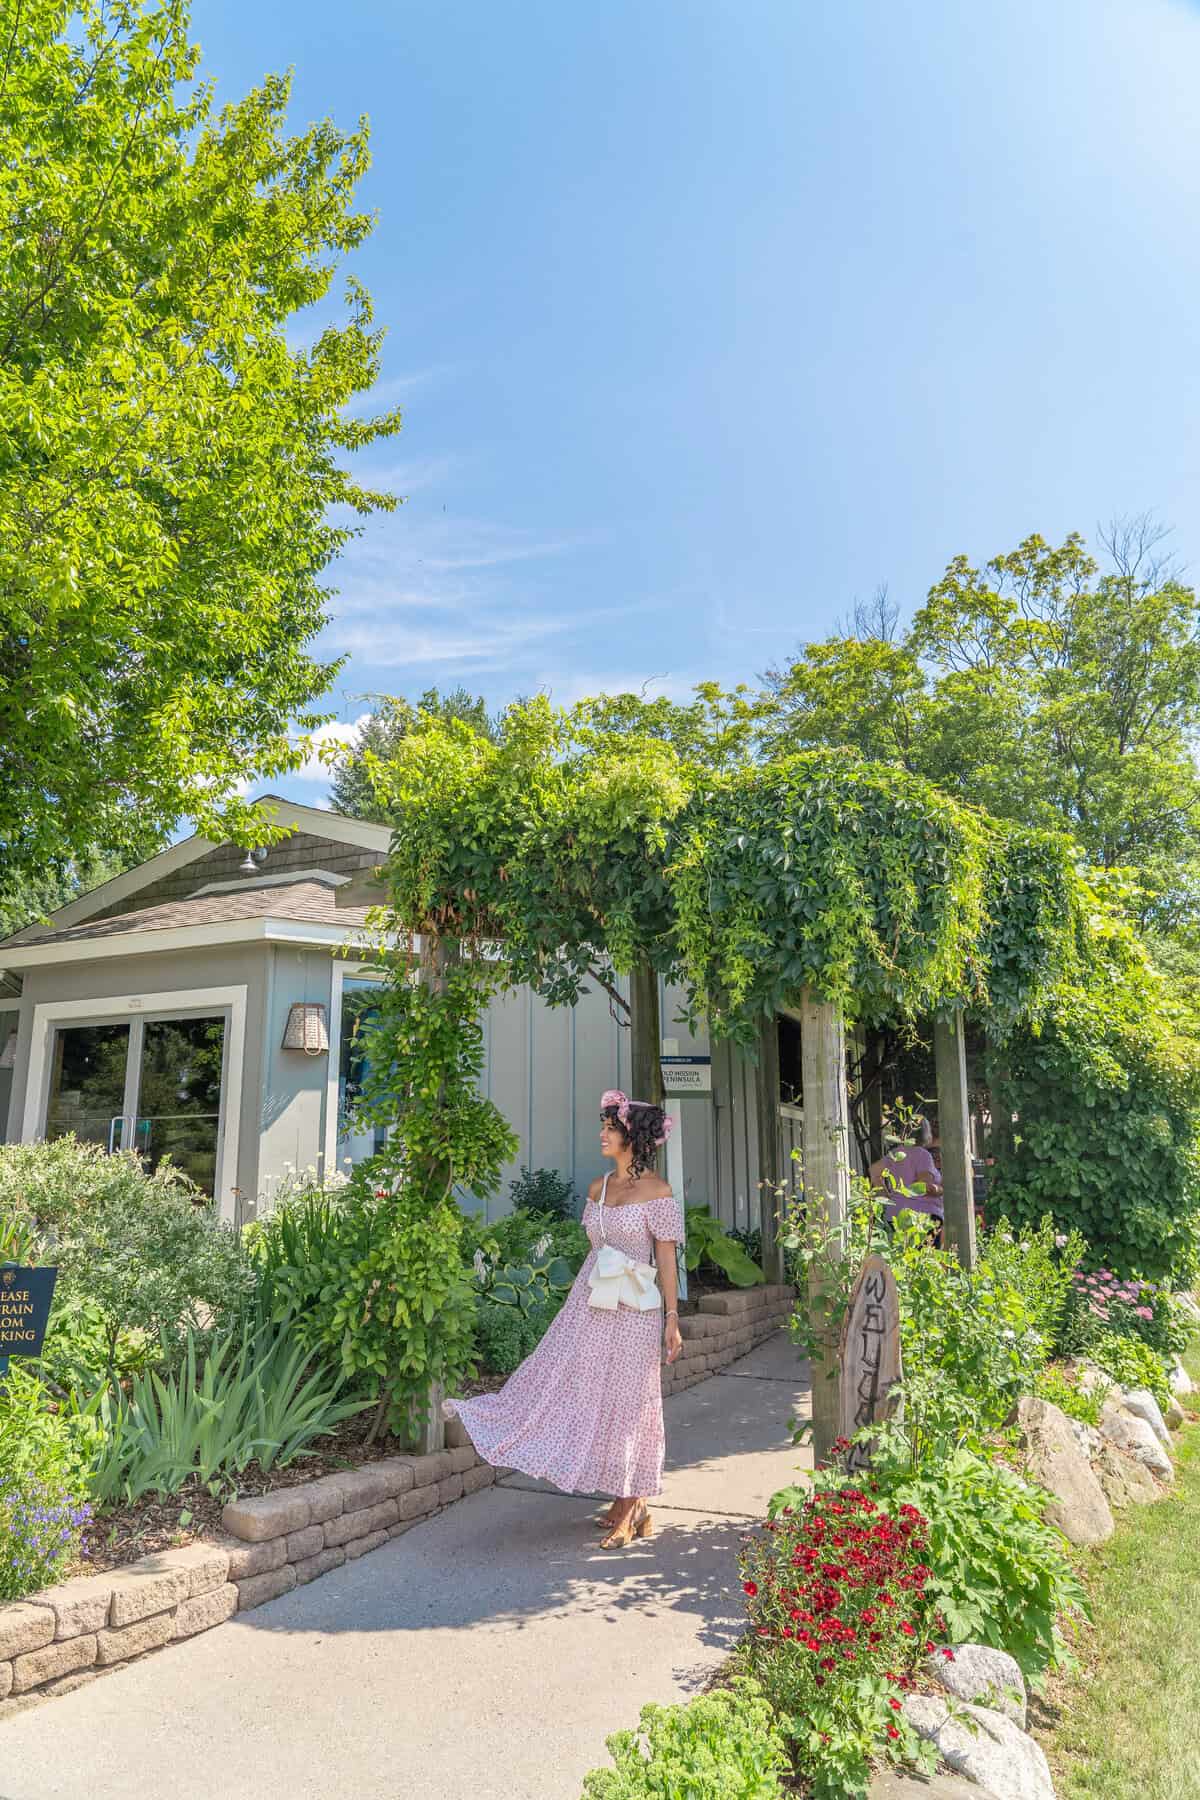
1126, 1482
1142, 1404
1136, 1438
1179, 1381
1056, 1462
983, 1675
906, 1784
983, 1745
1174, 1415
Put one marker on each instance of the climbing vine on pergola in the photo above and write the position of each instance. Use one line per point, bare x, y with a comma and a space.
569, 852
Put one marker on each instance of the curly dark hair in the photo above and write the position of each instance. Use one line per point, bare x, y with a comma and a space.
642, 1133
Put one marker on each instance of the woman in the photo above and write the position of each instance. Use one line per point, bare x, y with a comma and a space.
585, 1410
911, 1180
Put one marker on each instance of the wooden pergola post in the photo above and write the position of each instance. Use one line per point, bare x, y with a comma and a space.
645, 1047
826, 1141
770, 1171
954, 1131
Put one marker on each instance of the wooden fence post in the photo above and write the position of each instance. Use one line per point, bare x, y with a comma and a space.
826, 1141
645, 1049
770, 1171
954, 1131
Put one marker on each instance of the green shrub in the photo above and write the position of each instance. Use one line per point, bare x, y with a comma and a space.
374, 1283
513, 1239
501, 1337
999, 1573
723, 1746
145, 1250
707, 1242
544, 1191
18, 1237
1054, 1385
836, 1594
1107, 1096
78, 1353
41, 1484
1038, 1264
1131, 1364
252, 1398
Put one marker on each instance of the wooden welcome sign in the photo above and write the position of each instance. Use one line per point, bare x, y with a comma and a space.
870, 1357
25, 1296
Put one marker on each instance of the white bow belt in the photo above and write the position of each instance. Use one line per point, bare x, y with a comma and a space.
616, 1280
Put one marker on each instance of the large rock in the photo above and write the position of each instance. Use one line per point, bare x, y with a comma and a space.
1056, 1462
983, 1675
1136, 1438
1174, 1414
983, 1745
906, 1784
1179, 1381
1142, 1404
1126, 1482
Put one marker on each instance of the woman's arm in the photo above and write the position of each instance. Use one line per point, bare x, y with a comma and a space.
664, 1256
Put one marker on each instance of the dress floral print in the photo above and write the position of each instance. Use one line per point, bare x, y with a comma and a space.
585, 1410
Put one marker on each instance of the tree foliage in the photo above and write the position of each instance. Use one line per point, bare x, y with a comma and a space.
1047, 690
168, 458
578, 850
352, 790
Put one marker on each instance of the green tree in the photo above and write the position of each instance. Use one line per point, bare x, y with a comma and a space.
353, 790
169, 461
1044, 689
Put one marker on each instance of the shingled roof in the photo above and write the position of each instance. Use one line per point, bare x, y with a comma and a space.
309, 902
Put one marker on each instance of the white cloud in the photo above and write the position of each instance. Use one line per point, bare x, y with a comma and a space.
335, 732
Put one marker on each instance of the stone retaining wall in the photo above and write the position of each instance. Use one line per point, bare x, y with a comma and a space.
66, 1635
726, 1326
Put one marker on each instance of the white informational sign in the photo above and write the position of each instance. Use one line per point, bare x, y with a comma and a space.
687, 1074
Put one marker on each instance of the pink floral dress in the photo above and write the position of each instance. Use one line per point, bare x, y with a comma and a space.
585, 1410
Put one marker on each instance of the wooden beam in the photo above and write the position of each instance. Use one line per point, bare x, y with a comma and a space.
954, 1132
770, 1158
826, 1140
645, 1072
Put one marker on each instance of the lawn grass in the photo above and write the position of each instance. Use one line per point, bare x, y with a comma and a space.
1128, 1723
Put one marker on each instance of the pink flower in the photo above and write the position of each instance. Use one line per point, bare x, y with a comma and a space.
1144, 1312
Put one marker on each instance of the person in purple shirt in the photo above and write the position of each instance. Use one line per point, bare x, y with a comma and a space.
911, 1180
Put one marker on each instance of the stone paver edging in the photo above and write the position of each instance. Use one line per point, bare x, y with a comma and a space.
64, 1636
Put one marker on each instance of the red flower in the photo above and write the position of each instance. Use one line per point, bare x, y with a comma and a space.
907, 1629
895, 1705
828, 1662
819, 1680
750, 1587
949, 1655
892, 1732
929, 1649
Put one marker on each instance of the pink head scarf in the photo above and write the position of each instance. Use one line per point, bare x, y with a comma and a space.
621, 1103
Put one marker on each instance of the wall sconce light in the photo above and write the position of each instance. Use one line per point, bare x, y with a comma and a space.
306, 1029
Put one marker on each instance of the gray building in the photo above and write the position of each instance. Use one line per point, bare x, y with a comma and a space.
209, 1006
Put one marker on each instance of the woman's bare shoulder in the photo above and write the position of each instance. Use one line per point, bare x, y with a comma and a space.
594, 1188
657, 1188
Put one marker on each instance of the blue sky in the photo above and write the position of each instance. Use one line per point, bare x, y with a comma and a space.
708, 316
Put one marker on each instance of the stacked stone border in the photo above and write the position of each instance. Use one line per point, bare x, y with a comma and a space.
65, 1636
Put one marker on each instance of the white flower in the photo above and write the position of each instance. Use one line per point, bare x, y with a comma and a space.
481, 1267
541, 1247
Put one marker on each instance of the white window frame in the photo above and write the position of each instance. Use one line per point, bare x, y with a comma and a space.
343, 968
117, 1009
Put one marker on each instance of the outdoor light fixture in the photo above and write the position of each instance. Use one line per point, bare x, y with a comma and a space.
8, 1056
253, 863
306, 1028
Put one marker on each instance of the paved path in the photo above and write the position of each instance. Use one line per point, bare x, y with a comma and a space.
484, 1655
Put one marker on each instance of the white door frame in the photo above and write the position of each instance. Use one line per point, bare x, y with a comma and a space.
119, 1009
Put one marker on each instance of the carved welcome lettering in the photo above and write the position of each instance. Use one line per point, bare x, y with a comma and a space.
870, 1357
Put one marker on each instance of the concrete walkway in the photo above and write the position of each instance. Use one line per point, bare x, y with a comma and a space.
485, 1655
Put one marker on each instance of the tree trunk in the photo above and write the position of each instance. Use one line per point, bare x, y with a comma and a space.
826, 1142
954, 1131
645, 1036
770, 1170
